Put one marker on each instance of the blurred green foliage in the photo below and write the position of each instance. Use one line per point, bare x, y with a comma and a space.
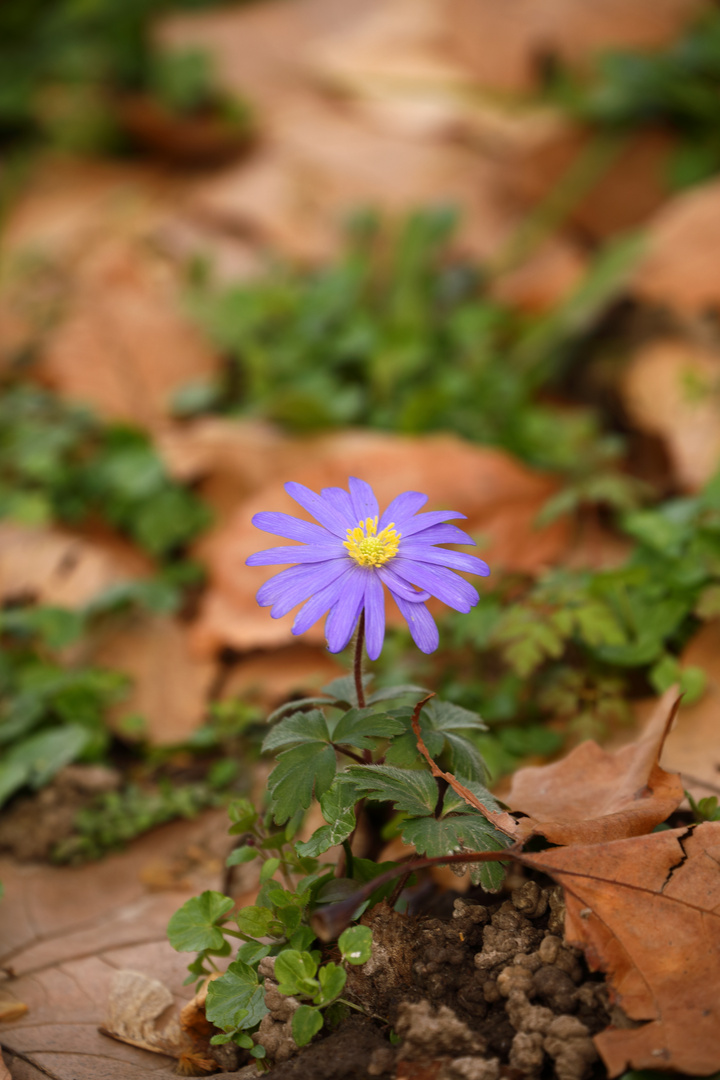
401, 334
50, 52
59, 463
676, 89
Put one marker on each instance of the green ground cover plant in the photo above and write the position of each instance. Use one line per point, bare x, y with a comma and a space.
674, 89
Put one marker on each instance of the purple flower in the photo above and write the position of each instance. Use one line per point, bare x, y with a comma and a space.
343, 563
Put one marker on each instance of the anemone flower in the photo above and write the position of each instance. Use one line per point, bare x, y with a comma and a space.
342, 563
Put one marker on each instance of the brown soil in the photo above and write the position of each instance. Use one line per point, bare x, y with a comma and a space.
34, 824
490, 993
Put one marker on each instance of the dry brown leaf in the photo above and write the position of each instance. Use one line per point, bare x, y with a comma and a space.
500, 497
679, 269
646, 910
136, 1010
592, 795
65, 932
11, 1010
51, 566
693, 746
671, 388
170, 684
126, 315
269, 679
626, 189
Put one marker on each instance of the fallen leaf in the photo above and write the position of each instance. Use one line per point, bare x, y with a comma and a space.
679, 269
11, 1010
593, 795
500, 497
52, 566
125, 313
170, 684
645, 910
624, 184
135, 1009
670, 389
65, 933
693, 746
269, 679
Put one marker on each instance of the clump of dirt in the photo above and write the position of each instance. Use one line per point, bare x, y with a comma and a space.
35, 824
492, 992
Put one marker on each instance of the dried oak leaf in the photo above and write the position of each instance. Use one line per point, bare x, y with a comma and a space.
592, 795
669, 389
693, 746
646, 911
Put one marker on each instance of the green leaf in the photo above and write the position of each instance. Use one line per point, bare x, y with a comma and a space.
256, 921
332, 979
300, 727
241, 855
236, 999
268, 869
361, 727
43, 755
252, 952
338, 809
295, 973
390, 693
12, 778
194, 928
355, 944
410, 790
446, 716
243, 816
455, 834
301, 772
306, 1022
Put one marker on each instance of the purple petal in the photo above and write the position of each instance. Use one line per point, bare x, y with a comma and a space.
341, 503
321, 510
344, 615
302, 553
456, 560
292, 586
365, 505
443, 534
446, 586
424, 521
318, 604
421, 623
291, 527
397, 585
374, 616
402, 507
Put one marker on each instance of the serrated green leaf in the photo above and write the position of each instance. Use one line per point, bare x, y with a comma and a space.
194, 928
338, 809
455, 834
297, 705
302, 939
305, 1024
445, 716
332, 979
360, 727
243, 816
295, 973
300, 727
465, 758
256, 921
413, 791
301, 772
390, 693
454, 803
236, 999
355, 944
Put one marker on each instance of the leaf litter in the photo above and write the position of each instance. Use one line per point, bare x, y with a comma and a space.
674, 872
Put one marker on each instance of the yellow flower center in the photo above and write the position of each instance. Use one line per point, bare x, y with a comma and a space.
370, 548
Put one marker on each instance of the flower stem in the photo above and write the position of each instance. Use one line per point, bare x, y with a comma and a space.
357, 664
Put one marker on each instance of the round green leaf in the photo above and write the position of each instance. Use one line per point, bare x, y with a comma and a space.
194, 927
355, 944
306, 1023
